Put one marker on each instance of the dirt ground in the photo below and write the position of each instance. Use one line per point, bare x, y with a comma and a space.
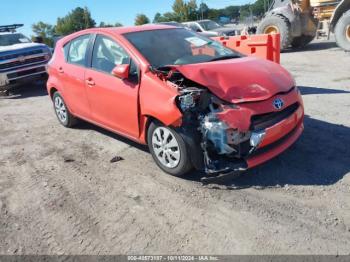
60, 194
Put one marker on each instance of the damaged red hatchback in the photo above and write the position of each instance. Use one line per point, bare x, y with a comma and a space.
196, 103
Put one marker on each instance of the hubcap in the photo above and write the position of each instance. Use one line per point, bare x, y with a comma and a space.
61, 110
271, 30
166, 147
348, 32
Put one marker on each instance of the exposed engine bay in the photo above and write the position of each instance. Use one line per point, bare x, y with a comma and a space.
219, 147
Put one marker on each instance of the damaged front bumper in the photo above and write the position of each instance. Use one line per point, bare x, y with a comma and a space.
236, 139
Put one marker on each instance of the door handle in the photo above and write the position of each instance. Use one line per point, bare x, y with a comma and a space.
90, 82
60, 70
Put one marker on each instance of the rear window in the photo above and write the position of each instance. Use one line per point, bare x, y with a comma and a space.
77, 50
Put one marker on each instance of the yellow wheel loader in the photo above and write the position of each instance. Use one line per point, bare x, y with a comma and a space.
300, 21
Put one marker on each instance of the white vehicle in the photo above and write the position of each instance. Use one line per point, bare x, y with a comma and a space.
210, 28
21, 60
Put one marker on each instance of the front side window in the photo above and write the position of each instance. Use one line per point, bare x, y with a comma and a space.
77, 50
177, 47
195, 28
108, 54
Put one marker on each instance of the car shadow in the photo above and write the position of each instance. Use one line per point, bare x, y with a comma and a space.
28, 90
314, 46
320, 157
308, 90
83, 125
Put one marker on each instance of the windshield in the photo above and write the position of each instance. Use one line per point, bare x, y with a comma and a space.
177, 47
12, 39
209, 25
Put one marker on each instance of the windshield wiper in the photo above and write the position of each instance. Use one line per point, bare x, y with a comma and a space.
224, 57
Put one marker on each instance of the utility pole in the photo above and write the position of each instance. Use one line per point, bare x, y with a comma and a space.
202, 10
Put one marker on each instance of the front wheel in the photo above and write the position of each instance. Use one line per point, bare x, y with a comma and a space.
342, 31
168, 149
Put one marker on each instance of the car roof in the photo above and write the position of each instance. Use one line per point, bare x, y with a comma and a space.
129, 29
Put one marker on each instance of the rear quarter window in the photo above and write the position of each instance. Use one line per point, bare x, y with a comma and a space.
77, 50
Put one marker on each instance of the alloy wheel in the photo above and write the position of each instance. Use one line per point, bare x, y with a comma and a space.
166, 147
60, 109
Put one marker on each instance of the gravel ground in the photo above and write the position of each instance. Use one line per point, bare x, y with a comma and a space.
60, 194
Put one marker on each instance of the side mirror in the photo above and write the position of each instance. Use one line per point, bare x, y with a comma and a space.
121, 71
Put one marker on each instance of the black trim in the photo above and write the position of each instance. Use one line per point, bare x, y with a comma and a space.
260, 122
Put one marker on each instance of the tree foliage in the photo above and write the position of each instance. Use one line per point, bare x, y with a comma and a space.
103, 24
184, 11
76, 20
141, 19
45, 31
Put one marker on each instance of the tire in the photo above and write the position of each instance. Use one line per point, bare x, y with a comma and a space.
63, 115
301, 41
282, 26
342, 31
176, 159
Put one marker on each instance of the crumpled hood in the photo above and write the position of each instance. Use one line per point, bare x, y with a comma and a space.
240, 80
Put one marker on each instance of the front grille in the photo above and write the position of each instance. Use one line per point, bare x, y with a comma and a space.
26, 53
26, 72
26, 62
259, 122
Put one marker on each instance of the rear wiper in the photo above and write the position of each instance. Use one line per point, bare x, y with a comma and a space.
225, 57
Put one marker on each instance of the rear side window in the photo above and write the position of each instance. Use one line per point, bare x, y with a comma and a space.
107, 54
77, 50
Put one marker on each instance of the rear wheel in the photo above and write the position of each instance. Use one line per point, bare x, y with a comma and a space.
63, 115
301, 41
168, 149
275, 24
342, 31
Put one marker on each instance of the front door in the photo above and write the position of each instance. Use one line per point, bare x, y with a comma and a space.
113, 101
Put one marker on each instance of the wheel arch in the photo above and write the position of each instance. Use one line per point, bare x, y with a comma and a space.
52, 90
145, 122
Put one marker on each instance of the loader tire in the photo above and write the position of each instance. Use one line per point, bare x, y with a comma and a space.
301, 41
276, 24
342, 31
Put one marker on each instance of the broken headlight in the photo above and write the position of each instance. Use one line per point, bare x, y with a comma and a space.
189, 98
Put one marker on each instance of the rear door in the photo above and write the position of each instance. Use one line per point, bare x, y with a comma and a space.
113, 101
72, 73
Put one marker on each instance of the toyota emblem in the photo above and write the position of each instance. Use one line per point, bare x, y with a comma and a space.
278, 103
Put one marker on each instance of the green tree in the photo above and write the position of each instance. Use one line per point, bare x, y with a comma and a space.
181, 10
76, 20
141, 19
45, 31
204, 10
103, 24
258, 8
192, 10
157, 18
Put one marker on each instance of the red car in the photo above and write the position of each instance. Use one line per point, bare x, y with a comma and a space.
196, 103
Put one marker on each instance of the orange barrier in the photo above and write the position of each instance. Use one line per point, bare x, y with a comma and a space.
263, 46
